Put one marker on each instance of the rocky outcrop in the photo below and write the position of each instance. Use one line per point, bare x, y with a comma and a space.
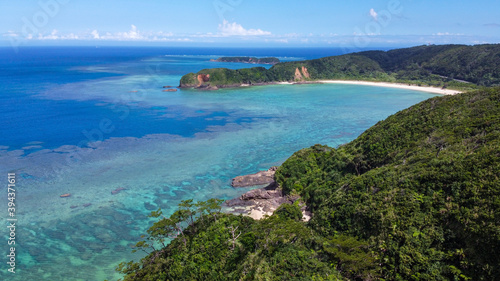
301, 75
203, 78
305, 72
200, 81
261, 194
260, 178
298, 75
268, 199
257, 203
264, 201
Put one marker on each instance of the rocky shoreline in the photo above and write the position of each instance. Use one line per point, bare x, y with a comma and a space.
257, 203
259, 178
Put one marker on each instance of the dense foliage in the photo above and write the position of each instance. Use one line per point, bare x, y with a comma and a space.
479, 64
423, 187
220, 246
453, 66
415, 197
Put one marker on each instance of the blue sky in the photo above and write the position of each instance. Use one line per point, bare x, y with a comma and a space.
358, 23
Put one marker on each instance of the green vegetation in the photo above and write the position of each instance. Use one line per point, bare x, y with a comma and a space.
422, 187
447, 66
220, 246
223, 77
270, 60
478, 64
415, 197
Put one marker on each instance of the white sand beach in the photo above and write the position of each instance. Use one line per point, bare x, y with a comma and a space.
395, 85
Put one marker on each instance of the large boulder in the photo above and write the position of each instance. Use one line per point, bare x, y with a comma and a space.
259, 178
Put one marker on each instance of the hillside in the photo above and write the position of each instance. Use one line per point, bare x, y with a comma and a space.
454, 66
415, 197
422, 187
478, 64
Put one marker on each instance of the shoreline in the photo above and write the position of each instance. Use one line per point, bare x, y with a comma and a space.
395, 85
427, 89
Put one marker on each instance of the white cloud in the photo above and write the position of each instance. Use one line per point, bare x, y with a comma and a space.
132, 35
70, 36
373, 14
95, 34
52, 36
235, 29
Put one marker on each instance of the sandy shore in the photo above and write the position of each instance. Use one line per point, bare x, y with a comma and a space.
396, 85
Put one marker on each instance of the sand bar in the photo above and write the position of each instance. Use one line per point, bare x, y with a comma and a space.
396, 85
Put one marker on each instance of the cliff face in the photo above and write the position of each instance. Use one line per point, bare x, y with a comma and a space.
203, 78
305, 73
298, 75
197, 81
302, 75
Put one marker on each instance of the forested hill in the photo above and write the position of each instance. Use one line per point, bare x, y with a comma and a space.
478, 64
454, 66
415, 197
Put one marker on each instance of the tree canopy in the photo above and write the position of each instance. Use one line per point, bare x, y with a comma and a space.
415, 197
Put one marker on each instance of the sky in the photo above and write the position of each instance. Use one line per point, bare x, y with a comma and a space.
263, 23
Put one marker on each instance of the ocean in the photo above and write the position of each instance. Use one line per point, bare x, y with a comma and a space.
94, 122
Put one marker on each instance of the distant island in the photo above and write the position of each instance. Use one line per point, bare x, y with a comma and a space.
269, 60
445, 66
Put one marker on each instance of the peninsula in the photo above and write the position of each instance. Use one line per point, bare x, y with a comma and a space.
253, 60
459, 67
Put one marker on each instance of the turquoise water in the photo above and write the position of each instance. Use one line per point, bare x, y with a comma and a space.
96, 126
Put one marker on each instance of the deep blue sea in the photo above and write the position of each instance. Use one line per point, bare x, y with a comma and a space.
89, 121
